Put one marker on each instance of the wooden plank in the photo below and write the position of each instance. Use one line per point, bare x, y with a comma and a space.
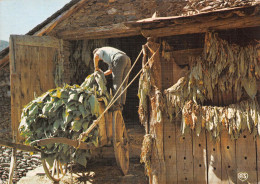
12, 166
37, 41
18, 146
214, 160
246, 157
228, 155
50, 68
258, 158
184, 157
200, 158
181, 57
170, 151
101, 32
200, 27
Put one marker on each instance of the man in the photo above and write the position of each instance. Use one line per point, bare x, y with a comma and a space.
119, 65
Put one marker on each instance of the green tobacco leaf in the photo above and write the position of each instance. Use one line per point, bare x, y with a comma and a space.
57, 124
76, 125
83, 111
33, 110
85, 125
82, 160
94, 105
73, 96
46, 108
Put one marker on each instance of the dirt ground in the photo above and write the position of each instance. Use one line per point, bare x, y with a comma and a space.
99, 171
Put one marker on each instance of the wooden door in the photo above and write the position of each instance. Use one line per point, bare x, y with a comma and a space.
35, 67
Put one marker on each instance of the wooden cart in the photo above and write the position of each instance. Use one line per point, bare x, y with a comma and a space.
112, 131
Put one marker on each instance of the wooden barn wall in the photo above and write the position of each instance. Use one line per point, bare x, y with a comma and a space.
96, 13
192, 159
81, 65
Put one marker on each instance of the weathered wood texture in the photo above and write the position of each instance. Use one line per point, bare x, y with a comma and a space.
228, 155
200, 158
199, 27
246, 157
109, 31
169, 141
32, 72
214, 160
184, 156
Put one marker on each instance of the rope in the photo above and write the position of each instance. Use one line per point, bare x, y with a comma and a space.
114, 99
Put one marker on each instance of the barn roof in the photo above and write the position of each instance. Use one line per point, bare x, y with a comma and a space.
227, 18
194, 9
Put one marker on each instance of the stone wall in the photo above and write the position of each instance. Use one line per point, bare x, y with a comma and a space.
5, 104
25, 162
106, 12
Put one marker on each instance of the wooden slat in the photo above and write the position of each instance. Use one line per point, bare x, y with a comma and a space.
228, 155
246, 157
200, 158
258, 158
221, 24
213, 160
38, 41
184, 157
170, 151
17, 146
109, 31
181, 57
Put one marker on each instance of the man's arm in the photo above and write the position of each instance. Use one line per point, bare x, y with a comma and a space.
96, 59
108, 72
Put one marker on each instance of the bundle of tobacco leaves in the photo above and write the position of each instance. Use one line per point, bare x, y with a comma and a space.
227, 67
146, 153
65, 112
234, 118
143, 94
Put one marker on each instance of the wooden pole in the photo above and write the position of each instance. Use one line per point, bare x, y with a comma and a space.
12, 166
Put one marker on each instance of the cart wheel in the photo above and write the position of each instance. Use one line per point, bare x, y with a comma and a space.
120, 142
56, 172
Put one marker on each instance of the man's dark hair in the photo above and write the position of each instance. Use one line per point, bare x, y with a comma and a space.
95, 50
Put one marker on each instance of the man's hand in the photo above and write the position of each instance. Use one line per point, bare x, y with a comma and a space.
108, 72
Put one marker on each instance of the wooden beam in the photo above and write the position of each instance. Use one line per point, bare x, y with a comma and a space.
36, 41
64, 140
110, 31
221, 24
18, 146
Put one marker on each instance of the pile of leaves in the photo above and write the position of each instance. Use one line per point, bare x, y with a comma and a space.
229, 68
65, 112
198, 6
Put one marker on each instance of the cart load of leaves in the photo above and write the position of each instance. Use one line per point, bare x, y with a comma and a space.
226, 69
65, 112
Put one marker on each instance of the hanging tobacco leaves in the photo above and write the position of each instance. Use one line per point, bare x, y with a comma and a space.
234, 118
143, 94
65, 112
229, 68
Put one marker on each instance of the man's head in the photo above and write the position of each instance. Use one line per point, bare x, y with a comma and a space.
95, 51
